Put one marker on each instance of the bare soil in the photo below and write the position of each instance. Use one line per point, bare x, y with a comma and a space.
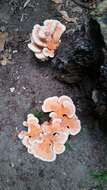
33, 82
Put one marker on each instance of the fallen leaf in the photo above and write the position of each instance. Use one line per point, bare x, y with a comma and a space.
3, 36
6, 57
66, 17
57, 1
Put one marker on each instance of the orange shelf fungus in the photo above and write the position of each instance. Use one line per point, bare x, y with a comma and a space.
46, 140
52, 144
64, 109
46, 39
59, 107
34, 132
72, 125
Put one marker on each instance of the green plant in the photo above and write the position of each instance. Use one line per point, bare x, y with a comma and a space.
68, 145
39, 114
101, 176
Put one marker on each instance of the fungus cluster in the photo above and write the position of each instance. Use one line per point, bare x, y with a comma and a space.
46, 39
46, 140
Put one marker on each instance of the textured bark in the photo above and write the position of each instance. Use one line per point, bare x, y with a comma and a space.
80, 54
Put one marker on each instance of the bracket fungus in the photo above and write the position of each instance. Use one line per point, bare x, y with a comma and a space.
64, 109
46, 39
46, 140
59, 106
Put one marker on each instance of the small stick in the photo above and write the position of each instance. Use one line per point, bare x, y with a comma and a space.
83, 5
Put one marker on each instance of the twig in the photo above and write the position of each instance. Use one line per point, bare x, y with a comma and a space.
83, 5
26, 3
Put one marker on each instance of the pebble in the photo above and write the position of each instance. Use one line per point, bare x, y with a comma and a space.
15, 51
95, 96
18, 77
12, 165
24, 88
12, 89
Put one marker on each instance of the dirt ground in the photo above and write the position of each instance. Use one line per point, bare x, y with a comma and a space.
32, 82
